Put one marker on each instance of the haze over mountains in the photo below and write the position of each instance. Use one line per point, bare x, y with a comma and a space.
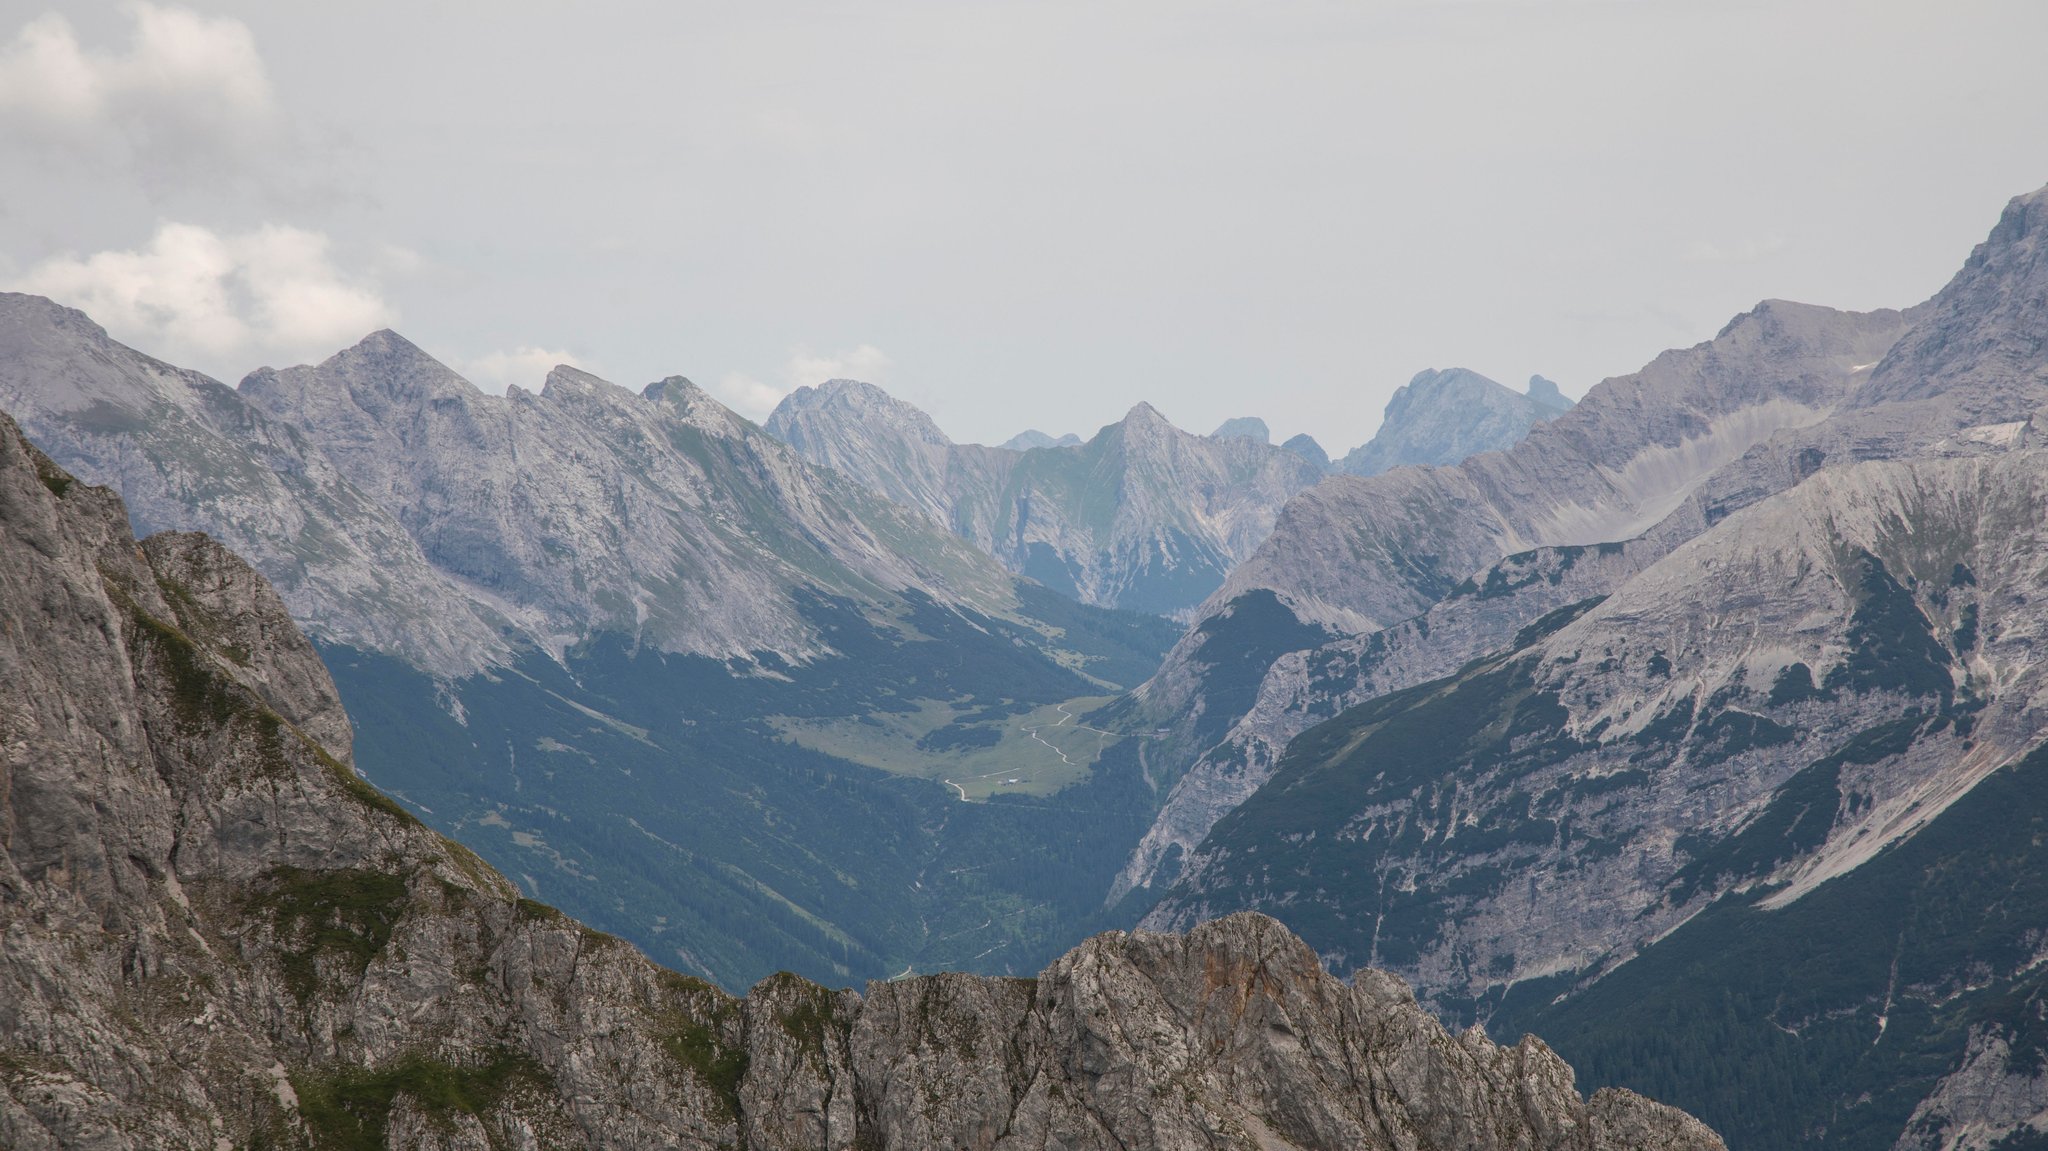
1694, 724
1142, 516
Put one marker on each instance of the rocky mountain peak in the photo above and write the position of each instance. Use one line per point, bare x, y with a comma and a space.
1981, 334
397, 365
1031, 438
564, 378
1545, 393
1441, 417
1243, 428
57, 360
1305, 446
801, 412
1146, 423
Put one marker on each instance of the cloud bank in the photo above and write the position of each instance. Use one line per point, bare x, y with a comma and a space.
186, 93
224, 302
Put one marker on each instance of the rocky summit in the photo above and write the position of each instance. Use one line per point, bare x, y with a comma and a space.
1443, 417
217, 936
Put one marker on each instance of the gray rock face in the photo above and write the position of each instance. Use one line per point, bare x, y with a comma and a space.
1303, 688
1243, 428
1443, 417
217, 936
1992, 1097
586, 508
1143, 516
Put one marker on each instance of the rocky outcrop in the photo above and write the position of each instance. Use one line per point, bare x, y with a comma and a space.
1546, 394
1443, 417
1143, 516
217, 936
1995, 1096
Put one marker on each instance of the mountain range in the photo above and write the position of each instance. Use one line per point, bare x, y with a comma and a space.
217, 935
1720, 761
636, 652
1143, 516
1693, 726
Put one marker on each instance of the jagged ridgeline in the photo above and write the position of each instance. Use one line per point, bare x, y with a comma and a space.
1142, 515
642, 657
217, 935
1745, 809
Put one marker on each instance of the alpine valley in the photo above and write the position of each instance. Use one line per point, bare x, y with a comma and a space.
1693, 727
217, 936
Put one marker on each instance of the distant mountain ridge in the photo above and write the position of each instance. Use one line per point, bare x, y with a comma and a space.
1143, 516
1033, 438
1443, 417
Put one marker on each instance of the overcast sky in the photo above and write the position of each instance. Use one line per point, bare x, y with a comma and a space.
1029, 215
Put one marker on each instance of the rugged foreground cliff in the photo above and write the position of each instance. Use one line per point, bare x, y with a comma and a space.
214, 935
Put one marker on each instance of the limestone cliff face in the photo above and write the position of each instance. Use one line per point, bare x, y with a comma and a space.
212, 934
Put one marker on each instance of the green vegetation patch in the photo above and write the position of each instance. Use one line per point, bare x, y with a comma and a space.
700, 1048
350, 1110
348, 914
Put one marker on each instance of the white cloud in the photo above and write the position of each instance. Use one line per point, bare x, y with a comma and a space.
186, 90
219, 301
525, 365
755, 398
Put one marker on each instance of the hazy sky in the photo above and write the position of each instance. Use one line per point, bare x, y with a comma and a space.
1013, 215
